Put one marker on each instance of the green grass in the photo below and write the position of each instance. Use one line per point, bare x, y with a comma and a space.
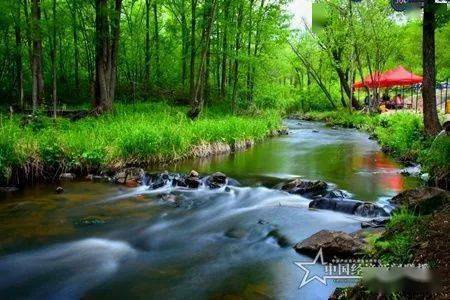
134, 134
396, 245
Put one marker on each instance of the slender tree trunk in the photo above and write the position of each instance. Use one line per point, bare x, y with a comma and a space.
236, 59
184, 44
53, 60
223, 81
198, 100
206, 93
37, 70
18, 56
147, 47
249, 52
430, 117
256, 47
107, 29
156, 40
193, 50
76, 47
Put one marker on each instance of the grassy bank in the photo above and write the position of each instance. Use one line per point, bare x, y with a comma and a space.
400, 134
134, 134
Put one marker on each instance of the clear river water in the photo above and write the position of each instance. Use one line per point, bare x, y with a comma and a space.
215, 246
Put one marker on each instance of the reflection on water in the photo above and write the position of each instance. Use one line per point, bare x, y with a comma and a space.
147, 247
345, 157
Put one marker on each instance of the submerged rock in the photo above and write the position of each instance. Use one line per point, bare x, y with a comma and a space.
67, 176
336, 204
370, 210
333, 194
423, 200
236, 233
98, 178
332, 243
8, 189
349, 206
192, 180
89, 220
281, 240
216, 180
375, 223
305, 188
136, 174
59, 190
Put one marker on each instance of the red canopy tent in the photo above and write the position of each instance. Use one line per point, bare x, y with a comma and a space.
395, 77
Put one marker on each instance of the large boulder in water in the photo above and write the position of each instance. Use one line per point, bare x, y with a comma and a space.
370, 210
216, 180
305, 188
423, 200
193, 180
349, 206
332, 243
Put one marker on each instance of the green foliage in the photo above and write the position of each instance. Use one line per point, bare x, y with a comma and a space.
396, 245
140, 133
437, 159
402, 134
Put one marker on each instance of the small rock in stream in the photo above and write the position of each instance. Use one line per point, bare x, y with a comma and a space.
67, 176
8, 189
59, 190
332, 243
305, 188
89, 220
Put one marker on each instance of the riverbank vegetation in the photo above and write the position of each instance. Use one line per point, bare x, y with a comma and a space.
137, 134
226, 60
401, 134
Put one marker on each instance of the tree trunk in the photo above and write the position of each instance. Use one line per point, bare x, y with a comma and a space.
223, 81
430, 117
198, 99
76, 47
156, 41
18, 57
37, 70
147, 47
184, 44
249, 49
53, 60
107, 29
236, 59
256, 47
193, 50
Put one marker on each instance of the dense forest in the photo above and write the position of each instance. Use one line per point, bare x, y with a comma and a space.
231, 51
138, 71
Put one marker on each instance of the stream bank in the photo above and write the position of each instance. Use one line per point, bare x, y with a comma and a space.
401, 135
169, 241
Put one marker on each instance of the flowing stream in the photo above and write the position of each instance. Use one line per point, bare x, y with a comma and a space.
216, 244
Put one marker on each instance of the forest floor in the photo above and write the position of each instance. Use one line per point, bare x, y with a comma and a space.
40, 148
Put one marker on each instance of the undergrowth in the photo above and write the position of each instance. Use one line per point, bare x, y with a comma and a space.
138, 133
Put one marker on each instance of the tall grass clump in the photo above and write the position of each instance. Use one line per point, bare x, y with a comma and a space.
135, 134
395, 246
401, 134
